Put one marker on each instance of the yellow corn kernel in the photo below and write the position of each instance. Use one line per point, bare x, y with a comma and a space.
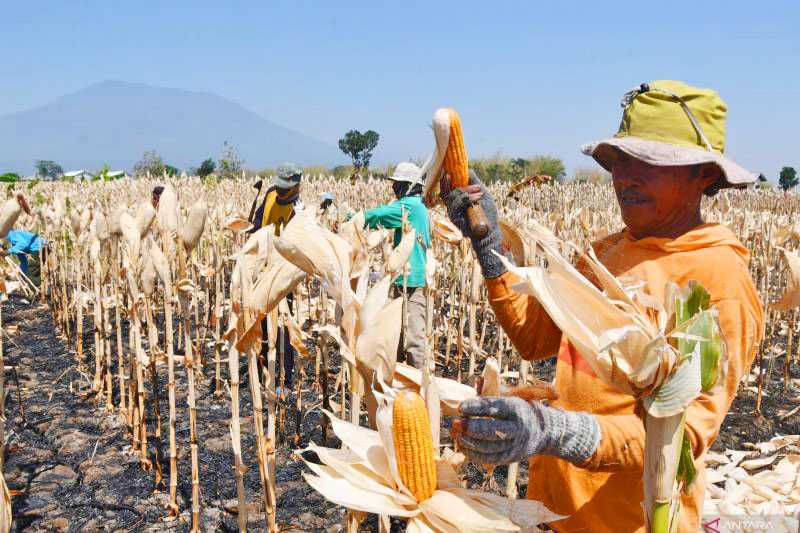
413, 445
455, 158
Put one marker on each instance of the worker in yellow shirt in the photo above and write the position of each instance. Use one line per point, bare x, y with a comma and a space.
277, 209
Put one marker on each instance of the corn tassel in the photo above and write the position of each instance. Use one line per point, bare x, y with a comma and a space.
413, 445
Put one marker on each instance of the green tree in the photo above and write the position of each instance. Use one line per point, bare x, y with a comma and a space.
501, 168
9, 177
494, 168
788, 178
48, 169
206, 168
591, 175
342, 171
171, 171
150, 163
520, 167
230, 164
548, 165
102, 174
359, 146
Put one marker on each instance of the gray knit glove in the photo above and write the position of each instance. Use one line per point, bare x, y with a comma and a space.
457, 202
503, 430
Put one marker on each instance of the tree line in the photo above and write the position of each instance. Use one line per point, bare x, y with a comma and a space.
359, 147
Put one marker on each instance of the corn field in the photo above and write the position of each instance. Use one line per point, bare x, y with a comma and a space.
164, 312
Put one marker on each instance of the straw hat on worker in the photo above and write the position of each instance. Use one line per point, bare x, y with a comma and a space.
670, 123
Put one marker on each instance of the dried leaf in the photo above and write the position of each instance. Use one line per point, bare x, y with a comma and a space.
195, 223
790, 298
237, 225
401, 253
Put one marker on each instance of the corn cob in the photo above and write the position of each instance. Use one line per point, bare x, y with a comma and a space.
413, 445
455, 158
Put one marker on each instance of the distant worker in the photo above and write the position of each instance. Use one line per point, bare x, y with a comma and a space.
23, 243
407, 188
156, 196
280, 200
327, 212
327, 201
277, 210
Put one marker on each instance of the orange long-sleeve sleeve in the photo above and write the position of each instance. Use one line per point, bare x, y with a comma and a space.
530, 329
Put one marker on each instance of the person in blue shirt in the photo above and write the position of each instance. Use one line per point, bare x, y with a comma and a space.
21, 244
407, 187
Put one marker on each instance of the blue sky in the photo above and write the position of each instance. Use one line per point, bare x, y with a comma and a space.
527, 77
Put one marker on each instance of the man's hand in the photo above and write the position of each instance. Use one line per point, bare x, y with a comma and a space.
473, 190
503, 430
457, 201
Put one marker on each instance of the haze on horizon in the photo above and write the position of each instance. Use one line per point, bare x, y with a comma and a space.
528, 78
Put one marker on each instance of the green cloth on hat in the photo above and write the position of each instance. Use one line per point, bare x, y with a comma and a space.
656, 114
671, 123
390, 216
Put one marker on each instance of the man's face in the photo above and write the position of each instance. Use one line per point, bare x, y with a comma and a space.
654, 201
285, 193
154, 200
398, 188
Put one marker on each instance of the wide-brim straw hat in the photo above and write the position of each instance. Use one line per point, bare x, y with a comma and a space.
670, 123
407, 172
288, 176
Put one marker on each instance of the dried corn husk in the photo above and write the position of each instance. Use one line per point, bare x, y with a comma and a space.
432, 168
612, 332
237, 225
402, 252
790, 298
195, 222
113, 221
9, 215
364, 476
167, 214
74, 221
445, 230
318, 252
5, 507
491, 382
131, 235
451, 392
148, 276
100, 226
145, 215
273, 285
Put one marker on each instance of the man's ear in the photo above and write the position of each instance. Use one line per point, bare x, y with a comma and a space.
709, 174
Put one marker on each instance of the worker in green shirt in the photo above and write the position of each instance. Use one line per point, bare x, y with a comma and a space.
407, 188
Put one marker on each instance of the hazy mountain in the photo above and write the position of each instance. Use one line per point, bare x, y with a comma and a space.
116, 122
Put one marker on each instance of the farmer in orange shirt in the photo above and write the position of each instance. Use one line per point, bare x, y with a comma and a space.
586, 447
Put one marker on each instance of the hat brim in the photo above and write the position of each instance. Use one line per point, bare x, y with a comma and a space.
284, 183
404, 179
663, 154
